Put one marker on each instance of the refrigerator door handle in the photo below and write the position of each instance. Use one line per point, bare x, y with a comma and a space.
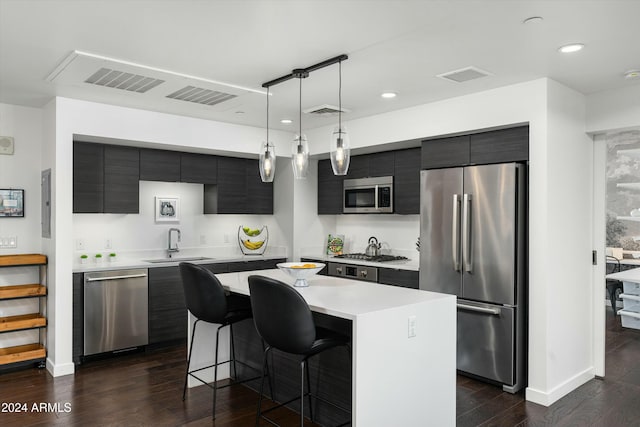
466, 233
375, 196
455, 231
494, 311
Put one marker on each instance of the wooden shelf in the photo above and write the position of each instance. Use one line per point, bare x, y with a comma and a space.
25, 259
22, 291
22, 353
23, 321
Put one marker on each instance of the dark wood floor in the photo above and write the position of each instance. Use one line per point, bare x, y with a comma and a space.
145, 389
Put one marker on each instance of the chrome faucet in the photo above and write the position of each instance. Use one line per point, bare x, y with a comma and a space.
173, 246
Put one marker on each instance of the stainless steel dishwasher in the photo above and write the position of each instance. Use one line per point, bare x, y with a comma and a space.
116, 306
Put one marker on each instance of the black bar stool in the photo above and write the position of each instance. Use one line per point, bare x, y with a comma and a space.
208, 301
284, 321
614, 287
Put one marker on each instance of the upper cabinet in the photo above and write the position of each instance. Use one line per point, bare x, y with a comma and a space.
105, 178
406, 181
329, 189
370, 165
499, 146
198, 168
159, 165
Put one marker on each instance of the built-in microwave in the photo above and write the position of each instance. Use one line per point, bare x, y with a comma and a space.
368, 195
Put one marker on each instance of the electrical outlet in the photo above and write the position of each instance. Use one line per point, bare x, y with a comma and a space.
13, 242
412, 326
8, 242
107, 244
79, 245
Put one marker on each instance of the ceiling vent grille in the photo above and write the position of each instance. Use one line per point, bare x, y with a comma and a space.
121, 80
200, 95
325, 109
464, 74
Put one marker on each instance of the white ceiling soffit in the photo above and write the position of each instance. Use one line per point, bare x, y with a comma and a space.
80, 68
464, 74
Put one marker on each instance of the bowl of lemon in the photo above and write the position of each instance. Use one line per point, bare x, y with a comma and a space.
253, 241
301, 271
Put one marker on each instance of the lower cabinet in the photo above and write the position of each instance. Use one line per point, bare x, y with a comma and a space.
78, 317
167, 307
396, 277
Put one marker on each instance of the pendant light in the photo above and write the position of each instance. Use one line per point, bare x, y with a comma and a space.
300, 146
340, 147
267, 161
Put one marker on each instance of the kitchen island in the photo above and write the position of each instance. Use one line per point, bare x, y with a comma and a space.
404, 346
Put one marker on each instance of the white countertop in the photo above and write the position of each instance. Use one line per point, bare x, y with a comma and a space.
339, 297
410, 264
632, 275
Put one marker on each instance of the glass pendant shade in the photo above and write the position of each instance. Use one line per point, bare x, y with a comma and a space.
300, 156
267, 162
340, 151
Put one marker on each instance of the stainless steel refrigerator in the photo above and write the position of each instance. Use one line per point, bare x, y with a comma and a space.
473, 245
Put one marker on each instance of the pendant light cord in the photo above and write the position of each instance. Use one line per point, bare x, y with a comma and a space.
267, 119
340, 98
300, 115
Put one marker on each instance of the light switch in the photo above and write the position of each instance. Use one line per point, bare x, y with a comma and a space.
412, 326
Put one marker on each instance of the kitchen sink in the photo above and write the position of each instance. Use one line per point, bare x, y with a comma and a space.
177, 259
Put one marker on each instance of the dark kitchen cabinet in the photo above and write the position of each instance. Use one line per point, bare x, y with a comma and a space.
167, 306
198, 168
217, 268
105, 178
358, 167
121, 179
406, 181
88, 177
239, 189
159, 165
396, 277
254, 264
371, 165
499, 146
329, 189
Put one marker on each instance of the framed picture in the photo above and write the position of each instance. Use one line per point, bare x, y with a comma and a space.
11, 203
167, 209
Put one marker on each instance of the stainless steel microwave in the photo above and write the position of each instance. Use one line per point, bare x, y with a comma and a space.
368, 195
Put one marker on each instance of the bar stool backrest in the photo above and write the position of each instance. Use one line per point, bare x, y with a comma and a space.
281, 315
203, 293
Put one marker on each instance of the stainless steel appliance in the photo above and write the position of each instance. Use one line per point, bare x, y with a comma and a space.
373, 258
472, 244
359, 272
115, 310
368, 195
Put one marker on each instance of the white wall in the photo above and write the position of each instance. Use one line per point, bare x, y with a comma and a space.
613, 110
396, 233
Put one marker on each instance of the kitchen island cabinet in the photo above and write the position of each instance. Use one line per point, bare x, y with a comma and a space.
404, 344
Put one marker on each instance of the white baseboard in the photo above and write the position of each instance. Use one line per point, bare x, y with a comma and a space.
548, 398
60, 369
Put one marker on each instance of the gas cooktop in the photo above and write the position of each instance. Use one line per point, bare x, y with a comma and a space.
374, 258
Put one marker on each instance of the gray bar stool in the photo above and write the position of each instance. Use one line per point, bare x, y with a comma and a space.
284, 321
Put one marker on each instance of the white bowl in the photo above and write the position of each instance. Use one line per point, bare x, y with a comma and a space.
300, 271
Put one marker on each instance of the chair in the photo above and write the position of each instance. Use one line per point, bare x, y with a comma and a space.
614, 287
208, 302
284, 321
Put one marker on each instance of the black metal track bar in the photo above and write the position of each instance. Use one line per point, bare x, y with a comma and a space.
304, 72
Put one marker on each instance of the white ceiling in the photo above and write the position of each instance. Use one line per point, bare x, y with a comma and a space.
398, 46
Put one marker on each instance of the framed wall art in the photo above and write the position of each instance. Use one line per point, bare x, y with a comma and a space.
11, 203
167, 209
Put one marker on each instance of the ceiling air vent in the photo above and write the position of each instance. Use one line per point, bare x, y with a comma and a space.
121, 80
324, 110
464, 74
200, 95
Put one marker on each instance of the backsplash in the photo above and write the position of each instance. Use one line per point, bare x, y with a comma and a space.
396, 233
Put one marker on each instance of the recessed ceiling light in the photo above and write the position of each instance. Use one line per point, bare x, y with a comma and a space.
533, 20
286, 121
632, 74
569, 48
389, 95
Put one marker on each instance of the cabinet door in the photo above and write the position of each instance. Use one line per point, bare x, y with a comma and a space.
404, 278
245, 266
232, 185
330, 190
78, 317
198, 168
259, 194
159, 165
500, 146
121, 179
381, 164
358, 167
88, 177
217, 268
406, 181
445, 152
167, 306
